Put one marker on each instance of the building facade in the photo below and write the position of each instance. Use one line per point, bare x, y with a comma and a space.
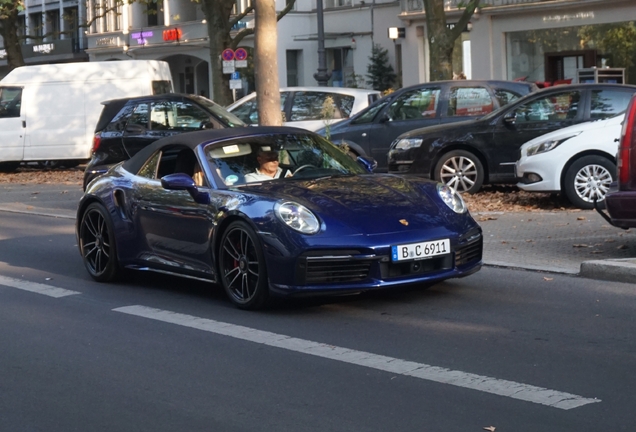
542, 41
54, 31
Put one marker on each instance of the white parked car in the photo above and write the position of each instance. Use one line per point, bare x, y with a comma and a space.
303, 106
579, 161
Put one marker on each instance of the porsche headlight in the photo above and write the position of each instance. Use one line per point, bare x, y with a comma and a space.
451, 198
407, 143
546, 146
297, 217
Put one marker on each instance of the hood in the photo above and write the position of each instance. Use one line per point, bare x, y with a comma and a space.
577, 129
370, 204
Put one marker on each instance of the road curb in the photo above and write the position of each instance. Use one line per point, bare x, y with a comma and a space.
615, 270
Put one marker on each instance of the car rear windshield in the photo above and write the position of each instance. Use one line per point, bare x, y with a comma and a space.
221, 113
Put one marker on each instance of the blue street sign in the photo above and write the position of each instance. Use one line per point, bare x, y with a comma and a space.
235, 76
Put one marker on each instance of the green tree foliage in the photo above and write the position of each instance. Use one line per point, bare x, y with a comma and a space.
616, 41
9, 10
380, 73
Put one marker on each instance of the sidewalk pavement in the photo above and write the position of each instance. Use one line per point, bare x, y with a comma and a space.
572, 242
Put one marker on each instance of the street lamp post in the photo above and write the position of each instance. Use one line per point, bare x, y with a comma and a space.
322, 76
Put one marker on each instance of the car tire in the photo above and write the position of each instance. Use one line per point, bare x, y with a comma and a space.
97, 244
9, 167
461, 170
587, 178
242, 268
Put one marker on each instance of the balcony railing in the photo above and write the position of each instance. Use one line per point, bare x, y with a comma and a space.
418, 6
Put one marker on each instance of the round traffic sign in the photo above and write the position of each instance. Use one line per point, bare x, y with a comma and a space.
227, 54
240, 54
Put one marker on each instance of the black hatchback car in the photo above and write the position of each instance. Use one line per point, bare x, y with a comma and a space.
130, 124
471, 153
372, 130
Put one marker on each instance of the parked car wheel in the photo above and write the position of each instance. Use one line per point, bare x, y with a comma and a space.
461, 170
8, 167
587, 179
242, 267
97, 243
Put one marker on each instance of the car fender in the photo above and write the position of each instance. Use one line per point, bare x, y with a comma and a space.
352, 145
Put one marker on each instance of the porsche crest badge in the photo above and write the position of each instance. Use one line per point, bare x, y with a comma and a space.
404, 222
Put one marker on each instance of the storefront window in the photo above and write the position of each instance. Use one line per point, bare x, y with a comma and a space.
554, 55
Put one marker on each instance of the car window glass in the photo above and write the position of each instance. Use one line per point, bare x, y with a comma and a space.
415, 105
367, 115
118, 123
180, 115
10, 101
161, 87
310, 105
139, 115
345, 104
554, 107
149, 170
247, 112
504, 97
469, 101
608, 103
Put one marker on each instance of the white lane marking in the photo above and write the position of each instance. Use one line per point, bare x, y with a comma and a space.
442, 375
37, 213
35, 287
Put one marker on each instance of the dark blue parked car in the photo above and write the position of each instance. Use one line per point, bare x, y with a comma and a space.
185, 205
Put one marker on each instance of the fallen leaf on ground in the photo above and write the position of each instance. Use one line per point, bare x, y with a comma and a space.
596, 252
547, 279
623, 247
529, 241
580, 218
582, 245
490, 428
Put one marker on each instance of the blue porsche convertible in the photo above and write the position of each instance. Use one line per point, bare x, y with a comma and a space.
272, 211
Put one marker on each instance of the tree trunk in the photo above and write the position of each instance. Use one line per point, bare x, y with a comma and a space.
265, 44
217, 14
441, 39
9, 32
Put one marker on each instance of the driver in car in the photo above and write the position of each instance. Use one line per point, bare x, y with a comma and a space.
268, 167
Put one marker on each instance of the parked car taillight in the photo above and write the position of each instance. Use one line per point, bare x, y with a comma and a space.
97, 139
625, 153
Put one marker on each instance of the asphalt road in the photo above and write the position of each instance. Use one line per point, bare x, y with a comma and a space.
164, 354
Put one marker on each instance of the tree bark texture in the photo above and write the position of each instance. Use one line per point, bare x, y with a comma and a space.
441, 39
265, 48
9, 32
217, 14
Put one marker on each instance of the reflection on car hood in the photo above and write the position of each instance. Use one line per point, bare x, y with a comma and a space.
369, 204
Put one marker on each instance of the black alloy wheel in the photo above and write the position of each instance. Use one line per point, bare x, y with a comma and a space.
97, 244
461, 170
242, 267
588, 179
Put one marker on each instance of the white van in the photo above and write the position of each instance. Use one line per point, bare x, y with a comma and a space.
49, 112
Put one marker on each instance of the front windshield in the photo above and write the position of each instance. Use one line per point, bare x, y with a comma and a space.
219, 112
278, 157
367, 115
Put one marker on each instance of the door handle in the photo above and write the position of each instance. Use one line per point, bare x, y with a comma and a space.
24, 124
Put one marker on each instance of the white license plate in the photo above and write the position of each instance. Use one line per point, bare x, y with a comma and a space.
418, 251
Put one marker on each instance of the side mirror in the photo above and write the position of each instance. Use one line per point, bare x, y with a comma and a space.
207, 125
384, 117
182, 181
368, 163
510, 118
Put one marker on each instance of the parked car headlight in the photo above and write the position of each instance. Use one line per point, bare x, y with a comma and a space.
297, 217
451, 198
546, 146
407, 143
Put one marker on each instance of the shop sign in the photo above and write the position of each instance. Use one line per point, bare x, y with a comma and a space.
106, 41
569, 17
43, 48
171, 35
3, 53
141, 37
